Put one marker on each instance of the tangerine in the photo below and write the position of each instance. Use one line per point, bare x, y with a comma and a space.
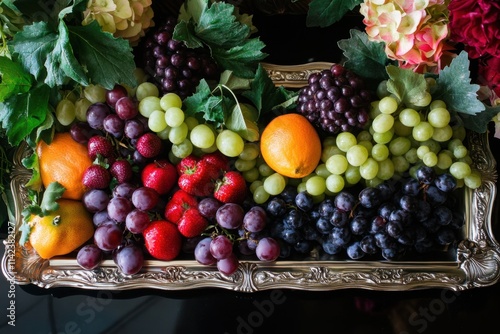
62, 231
291, 146
64, 160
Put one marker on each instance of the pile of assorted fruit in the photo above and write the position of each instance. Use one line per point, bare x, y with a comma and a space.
194, 163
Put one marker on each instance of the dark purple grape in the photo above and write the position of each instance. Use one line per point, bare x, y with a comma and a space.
126, 108
208, 207
96, 113
95, 200
426, 175
230, 215
113, 125
115, 94
137, 221
369, 197
445, 182
267, 249
354, 251
255, 219
345, 201
129, 259
202, 252
221, 247
133, 128
228, 265
145, 198
89, 256
81, 132
124, 189
118, 208
304, 201
108, 236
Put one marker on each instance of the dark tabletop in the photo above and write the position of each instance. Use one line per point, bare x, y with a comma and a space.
68, 310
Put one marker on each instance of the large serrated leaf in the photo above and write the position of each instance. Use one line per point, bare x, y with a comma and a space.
323, 13
455, 89
242, 60
109, 60
409, 87
13, 79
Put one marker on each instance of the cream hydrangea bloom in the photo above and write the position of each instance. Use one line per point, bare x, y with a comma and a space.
128, 19
413, 30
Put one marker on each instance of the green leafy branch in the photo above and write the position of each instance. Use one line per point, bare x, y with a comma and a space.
323, 13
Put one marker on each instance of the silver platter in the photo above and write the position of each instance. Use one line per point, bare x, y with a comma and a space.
474, 262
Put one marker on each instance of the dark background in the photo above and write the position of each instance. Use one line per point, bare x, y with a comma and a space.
67, 310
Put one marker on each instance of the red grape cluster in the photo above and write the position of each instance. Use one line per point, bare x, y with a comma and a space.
335, 100
174, 67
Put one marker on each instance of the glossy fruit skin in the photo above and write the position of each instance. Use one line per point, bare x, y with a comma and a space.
291, 146
196, 176
96, 177
192, 223
62, 231
64, 161
149, 145
160, 175
178, 204
231, 188
162, 240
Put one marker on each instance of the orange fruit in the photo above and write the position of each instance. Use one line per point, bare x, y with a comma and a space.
64, 160
291, 146
62, 231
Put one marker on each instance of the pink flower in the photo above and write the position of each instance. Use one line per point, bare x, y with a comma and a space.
489, 74
476, 24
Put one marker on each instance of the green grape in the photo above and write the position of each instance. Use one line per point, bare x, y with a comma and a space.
251, 175
442, 134
374, 110
422, 150
337, 164
170, 100
367, 144
409, 117
183, 149
433, 145
388, 105
369, 169
444, 160
174, 117
438, 117
319, 198
437, 104
424, 101
430, 159
265, 170
274, 184
357, 155
164, 134
95, 93
352, 175
460, 169
244, 165
328, 151
322, 171
316, 185
172, 158
229, 143
423, 131
250, 151
65, 112
149, 104
260, 195
329, 141
156, 121
178, 134
345, 140
467, 159
380, 152
146, 89
459, 132
400, 129
384, 137
202, 136
191, 122
364, 136
460, 151
335, 183
454, 143
382, 89
210, 149
81, 107
401, 165
374, 182
301, 187
254, 185
473, 180
411, 156
383, 123
399, 146
385, 169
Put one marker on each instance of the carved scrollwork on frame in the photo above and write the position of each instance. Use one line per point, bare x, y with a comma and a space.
475, 264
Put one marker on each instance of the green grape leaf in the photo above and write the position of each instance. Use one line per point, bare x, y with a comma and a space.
234, 82
479, 122
204, 102
220, 27
323, 13
364, 57
455, 89
409, 87
31, 162
264, 94
22, 113
31, 46
61, 62
50, 196
13, 79
108, 60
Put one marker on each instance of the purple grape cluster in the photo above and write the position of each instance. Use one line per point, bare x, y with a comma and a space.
335, 100
235, 231
173, 66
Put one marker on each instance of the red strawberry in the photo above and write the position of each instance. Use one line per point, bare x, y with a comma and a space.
160, 175
100, 145
96, 177
121, 170
232, 188
219, 161
149, 145
162, 240
192, 223
196, 176
178, 204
